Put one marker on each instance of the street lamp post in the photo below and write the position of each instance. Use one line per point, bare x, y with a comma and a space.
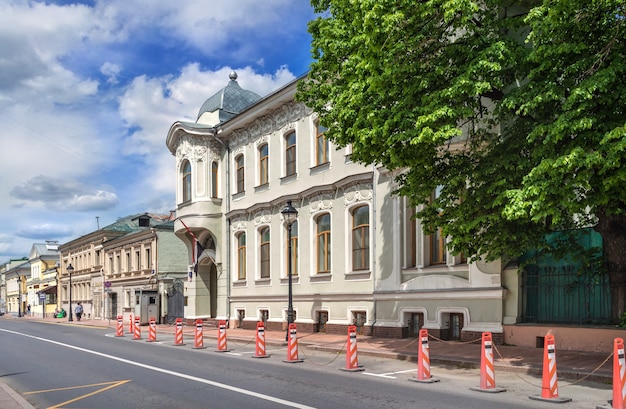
290, 215
19, 295
70, 270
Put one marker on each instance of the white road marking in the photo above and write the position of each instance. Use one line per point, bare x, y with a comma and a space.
388, 374
168, 372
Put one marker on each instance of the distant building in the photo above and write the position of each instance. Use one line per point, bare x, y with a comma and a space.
136, 261
41, 286
15, 273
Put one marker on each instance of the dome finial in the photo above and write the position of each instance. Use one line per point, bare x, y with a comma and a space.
232, 75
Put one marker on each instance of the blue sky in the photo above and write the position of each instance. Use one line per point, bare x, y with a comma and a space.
88, 91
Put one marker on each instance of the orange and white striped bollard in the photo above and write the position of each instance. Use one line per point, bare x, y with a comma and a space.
152, 330
131, 328
119, 330
549, 382
199, 337
292, 345
352, 359
221, 337
178, 337
423, 360
487, 369
260, 351
137, 328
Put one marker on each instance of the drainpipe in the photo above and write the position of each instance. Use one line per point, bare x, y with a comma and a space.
373, 248
217, 130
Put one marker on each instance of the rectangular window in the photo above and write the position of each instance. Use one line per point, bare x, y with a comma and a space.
265, 252
241, 256
437, 248
290, 154
323, 244
239, 169
264, 316
321, 145
437, 239
263, 164
138, 260
360, 238
214, 184
294, 249
186, 182
148, 259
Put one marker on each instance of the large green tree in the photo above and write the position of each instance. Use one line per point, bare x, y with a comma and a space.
515, 109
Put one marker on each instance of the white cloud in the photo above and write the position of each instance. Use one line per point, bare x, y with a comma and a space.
111, 71
89, 91
64, 194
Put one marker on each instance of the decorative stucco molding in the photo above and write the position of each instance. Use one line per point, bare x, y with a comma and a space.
321, 201
275, 121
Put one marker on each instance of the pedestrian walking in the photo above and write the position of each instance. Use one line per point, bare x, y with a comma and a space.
79, 311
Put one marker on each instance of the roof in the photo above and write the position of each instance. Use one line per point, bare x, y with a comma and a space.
230, 100
44, 250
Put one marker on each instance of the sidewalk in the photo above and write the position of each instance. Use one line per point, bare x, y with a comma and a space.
572, 365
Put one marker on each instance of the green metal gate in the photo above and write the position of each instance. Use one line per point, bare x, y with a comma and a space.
562, 291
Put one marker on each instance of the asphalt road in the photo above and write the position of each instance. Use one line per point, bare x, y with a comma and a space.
60, 366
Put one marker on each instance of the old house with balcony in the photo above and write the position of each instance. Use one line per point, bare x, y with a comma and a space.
357, 255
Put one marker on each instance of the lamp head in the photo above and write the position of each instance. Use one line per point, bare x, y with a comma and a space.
289, 213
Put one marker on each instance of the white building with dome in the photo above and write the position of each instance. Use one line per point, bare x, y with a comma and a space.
357, 256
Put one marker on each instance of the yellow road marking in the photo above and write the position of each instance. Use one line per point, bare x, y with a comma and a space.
111, 385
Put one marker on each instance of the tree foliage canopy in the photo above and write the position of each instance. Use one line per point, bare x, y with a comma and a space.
516, 109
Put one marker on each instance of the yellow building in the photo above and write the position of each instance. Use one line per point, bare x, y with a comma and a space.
41, 293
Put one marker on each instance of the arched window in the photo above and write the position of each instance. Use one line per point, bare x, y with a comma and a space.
323, 243
265, 252
186, 181
321, 145
263, 164
239, 169
214, 184
241, 256
294, 249
290, 153
360, 238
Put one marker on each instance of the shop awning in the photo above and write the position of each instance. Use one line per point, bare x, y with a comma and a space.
48, 290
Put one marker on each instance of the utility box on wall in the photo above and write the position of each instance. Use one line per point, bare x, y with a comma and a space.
147, 306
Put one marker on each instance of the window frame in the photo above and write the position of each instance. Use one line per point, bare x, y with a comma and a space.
294, 251
438, 250
323, 254
241, 256
240, 173
186, 174
264, 153
214, 180
290, 153
264, 252
360, 245
321, 144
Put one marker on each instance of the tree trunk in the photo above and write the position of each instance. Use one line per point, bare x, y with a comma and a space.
612, 228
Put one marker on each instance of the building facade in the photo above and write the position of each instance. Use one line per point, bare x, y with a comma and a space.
358, 256
129, 268
41, 285
16, 274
